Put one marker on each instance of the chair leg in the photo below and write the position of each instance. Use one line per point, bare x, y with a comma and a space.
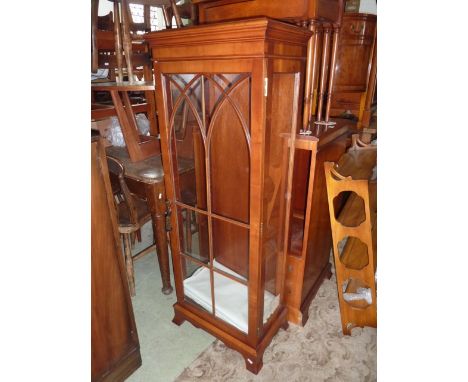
138, 235
129, 263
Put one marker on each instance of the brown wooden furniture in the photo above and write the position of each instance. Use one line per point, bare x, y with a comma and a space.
355, 69
310, 240
123, 24
115, 350
105, 55
139, 146
354, 230
321, 17
293, 10
132, 214
229, 96
146, 180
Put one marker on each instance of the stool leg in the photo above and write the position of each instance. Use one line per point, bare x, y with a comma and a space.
129, 264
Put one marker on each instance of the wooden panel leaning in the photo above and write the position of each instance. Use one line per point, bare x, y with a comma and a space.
115, 349
354, 232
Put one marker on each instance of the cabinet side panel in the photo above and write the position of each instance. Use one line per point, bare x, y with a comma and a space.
279, 123
320, 240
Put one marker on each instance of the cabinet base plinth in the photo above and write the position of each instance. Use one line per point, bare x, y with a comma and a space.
253, 355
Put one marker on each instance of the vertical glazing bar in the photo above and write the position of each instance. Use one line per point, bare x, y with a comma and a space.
203, 103
208, 201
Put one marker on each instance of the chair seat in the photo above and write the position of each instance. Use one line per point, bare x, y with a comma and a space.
124, 216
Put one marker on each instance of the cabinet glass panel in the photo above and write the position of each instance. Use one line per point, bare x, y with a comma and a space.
209, 137
197, 284
275, 182
231, 248
229, 153
231, 298
187, 140
193, 234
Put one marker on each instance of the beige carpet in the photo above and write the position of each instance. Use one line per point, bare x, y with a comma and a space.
317, 352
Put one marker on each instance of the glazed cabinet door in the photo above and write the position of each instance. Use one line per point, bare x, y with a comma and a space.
209, 136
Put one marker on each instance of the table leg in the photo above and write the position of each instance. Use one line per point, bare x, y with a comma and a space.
157, 204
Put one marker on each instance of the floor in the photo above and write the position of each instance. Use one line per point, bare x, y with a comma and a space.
166, 349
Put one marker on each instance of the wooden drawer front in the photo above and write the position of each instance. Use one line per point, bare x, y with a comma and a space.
358, 26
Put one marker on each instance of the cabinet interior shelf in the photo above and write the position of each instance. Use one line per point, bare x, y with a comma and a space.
231, 297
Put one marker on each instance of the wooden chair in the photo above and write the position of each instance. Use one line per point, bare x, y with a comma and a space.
132, 214
125, 29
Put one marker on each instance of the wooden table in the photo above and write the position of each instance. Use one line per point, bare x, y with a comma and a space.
146, 179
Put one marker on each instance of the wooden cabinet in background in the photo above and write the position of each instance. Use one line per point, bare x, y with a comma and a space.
292, 10
115, 350
355, 59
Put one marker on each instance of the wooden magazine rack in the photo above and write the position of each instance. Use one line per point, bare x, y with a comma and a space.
354, 231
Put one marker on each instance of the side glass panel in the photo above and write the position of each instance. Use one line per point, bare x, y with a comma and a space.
197, 284
277, 134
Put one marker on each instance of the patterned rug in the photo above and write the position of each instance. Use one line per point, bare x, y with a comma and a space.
316, 352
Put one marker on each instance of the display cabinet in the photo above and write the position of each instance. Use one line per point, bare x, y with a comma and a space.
228, 98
